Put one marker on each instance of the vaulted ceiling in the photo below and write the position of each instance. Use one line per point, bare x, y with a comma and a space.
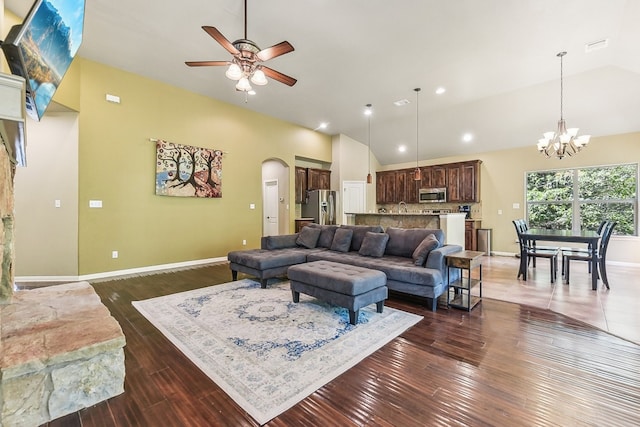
496, 59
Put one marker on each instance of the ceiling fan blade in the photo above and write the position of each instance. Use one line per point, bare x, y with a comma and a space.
275, 51
217, 35
207, 63
277, 75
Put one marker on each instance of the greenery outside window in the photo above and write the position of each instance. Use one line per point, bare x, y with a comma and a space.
580, 198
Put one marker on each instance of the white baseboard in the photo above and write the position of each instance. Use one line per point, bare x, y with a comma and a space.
107, 274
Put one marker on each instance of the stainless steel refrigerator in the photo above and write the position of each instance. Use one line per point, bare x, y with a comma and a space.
321, 206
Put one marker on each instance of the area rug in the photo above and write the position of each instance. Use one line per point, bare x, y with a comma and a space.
266, 352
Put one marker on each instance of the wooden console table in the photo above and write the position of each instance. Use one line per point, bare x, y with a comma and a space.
465, 261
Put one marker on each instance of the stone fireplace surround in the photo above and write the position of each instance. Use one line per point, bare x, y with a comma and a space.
60, 351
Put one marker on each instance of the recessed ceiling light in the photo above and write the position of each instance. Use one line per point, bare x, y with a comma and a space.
440, 90
467, 137
401, 102
402, 148
323, 125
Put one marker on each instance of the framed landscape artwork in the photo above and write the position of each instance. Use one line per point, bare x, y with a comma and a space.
186, 171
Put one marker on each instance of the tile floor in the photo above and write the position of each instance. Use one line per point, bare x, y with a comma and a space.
616, 310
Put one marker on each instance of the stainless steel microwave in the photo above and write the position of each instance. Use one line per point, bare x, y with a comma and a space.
432, 195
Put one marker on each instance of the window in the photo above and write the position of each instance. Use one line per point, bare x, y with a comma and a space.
581, 198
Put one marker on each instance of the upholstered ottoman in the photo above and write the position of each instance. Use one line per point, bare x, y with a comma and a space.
339, 284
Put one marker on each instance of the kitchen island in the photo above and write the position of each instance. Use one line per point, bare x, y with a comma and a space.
401, 220
451, 223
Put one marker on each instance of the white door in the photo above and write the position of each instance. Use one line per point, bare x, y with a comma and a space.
270, 221
353, 199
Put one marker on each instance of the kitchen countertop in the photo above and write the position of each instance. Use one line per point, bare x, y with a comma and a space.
402, 213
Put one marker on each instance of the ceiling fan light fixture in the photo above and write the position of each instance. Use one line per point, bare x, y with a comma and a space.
234, 72
243, 85
259, 78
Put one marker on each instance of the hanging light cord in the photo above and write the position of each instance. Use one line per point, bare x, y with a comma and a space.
417, 122
561, 54
369, 137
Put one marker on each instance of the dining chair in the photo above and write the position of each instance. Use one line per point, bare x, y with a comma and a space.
600, 254
581, 250
529, 251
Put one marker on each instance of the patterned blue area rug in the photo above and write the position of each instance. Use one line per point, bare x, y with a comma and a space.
264, 351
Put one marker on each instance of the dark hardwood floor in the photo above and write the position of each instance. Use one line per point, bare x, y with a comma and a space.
502, 364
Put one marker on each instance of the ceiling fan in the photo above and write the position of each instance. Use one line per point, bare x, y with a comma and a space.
246, 64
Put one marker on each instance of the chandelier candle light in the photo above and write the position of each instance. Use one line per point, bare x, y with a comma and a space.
368, 113
562, 142
417, 175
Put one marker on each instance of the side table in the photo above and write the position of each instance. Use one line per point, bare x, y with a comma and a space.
465, 261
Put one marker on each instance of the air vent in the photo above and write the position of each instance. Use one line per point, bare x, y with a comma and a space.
599, 44
401, 102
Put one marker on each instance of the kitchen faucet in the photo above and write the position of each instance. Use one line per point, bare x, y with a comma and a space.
402, 206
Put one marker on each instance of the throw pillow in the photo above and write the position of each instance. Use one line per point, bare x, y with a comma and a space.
308, 237
374, 244
342, 240
422, 251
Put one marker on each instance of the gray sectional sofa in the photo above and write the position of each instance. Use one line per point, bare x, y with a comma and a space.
412, 259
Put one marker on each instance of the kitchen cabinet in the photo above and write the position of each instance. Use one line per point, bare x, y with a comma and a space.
310, 179
318, 179
302, 222
463, 182
438, 176
470, 235
386, 187
301, 184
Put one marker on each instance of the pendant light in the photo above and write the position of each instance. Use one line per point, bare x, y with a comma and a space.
368, 113
417, 175
562, 142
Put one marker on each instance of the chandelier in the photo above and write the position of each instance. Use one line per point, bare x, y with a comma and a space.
417, 175
562, 142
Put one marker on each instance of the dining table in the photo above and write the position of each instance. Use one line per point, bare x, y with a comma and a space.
589, 237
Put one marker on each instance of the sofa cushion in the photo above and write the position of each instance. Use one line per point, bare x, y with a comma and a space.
308, 237
342, 240
359, 232
326, 235
374, 244
404, 241
262, 259
421, 253
280, 242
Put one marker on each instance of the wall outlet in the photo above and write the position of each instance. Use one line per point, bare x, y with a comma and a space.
95, 203
56, 203
499, 211
114, 254
244, 242
252, 206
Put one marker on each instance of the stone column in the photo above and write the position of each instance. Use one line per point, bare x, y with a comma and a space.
7, 172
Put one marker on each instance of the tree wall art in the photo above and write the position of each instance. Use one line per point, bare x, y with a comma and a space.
186, 171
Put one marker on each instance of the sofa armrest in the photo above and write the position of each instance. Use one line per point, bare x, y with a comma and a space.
279, 242
436, 258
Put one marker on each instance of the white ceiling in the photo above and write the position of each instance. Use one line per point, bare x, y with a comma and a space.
496, 58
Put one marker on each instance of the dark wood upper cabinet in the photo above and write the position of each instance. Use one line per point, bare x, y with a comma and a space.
438, 176
310, 179
301, 184
385, 187
462, 181
318, 179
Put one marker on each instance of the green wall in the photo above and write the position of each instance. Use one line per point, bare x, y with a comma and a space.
117, 166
